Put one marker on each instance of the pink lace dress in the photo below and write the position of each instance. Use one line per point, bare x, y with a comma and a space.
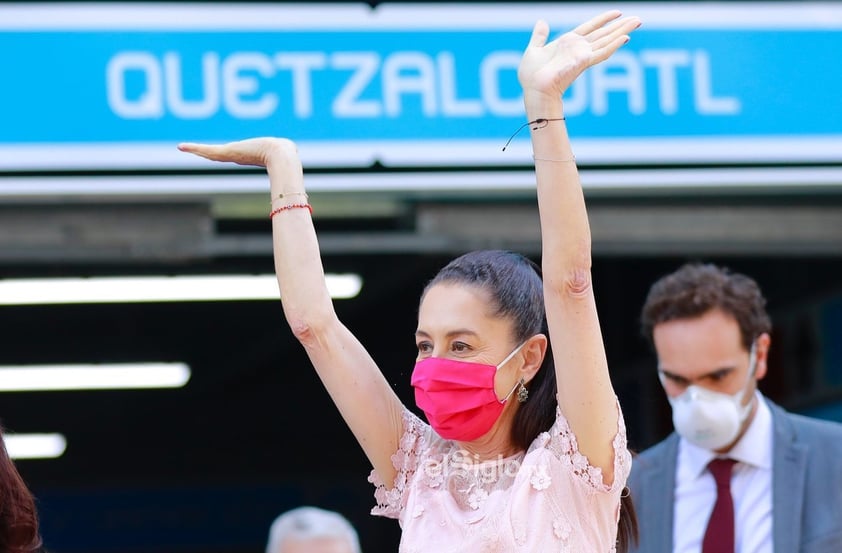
548, 499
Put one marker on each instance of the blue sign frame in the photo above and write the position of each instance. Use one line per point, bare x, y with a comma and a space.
101, 86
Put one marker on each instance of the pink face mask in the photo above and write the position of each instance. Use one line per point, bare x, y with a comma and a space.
458, 397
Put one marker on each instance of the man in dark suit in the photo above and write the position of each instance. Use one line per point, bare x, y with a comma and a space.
739, 474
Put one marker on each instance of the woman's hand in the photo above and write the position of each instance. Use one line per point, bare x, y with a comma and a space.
253, 151
549, 68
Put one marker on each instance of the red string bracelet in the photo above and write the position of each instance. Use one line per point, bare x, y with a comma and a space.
290, 206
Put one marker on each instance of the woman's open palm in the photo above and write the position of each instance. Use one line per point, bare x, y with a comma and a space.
253, 151
550, 67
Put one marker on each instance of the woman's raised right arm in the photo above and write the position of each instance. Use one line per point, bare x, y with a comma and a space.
357, 386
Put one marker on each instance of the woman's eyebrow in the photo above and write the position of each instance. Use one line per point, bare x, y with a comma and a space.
451, 334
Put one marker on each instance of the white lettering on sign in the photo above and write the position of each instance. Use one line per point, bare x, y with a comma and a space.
409, 73
624, 76
368, 85
665, 63
205, 107
363, 67
706, 104
489, 70
301, 66
451, 105
239, 84
149, 104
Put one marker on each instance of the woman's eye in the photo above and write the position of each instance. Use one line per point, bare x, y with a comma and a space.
460, 347
424, 347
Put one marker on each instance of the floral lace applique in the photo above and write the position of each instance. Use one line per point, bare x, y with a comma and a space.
540, 478
432, 474
476, 498
442, 464
562, 529
561, 441
390, 502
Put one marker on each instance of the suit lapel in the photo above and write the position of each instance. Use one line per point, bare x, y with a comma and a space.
788, 474
658, 509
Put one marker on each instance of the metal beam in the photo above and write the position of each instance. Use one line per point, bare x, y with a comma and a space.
133, 233
104, 232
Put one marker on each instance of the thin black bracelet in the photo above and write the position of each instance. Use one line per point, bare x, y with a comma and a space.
539, 123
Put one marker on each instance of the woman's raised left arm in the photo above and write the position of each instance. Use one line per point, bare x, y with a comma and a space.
586, 396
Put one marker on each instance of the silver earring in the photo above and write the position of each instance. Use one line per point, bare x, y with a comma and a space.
522, 392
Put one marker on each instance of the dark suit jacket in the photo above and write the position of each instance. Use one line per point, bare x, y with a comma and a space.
806, 487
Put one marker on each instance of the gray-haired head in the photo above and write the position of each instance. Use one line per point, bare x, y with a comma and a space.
305, 524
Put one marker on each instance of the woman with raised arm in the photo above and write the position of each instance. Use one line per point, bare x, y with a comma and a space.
509, 460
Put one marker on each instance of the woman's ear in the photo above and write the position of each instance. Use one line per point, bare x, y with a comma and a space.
534, 351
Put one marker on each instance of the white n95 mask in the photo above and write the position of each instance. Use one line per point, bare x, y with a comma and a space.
711, 420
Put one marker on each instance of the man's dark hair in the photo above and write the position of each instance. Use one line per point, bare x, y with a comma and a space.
696, 288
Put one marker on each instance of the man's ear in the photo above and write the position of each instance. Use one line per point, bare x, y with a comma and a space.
762, 355
534, 351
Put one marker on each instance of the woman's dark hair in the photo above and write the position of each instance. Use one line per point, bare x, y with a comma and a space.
18, 518
515, 288
696, 288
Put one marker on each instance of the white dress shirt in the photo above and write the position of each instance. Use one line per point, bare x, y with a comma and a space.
751, 488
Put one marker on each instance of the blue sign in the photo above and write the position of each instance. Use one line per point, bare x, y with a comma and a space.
117, 85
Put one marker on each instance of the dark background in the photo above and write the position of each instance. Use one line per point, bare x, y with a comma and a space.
207, 467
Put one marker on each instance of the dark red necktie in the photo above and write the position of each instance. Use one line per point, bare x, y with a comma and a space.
719, 536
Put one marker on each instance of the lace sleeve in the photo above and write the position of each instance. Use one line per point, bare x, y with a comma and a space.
561, 441
390, 502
